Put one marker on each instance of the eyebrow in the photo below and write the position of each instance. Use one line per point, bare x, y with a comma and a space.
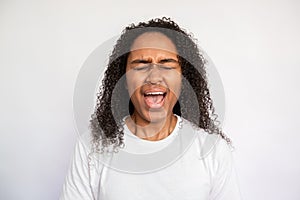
137, 61
143, 61
167, 60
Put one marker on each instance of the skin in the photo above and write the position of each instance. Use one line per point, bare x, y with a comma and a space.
152, 66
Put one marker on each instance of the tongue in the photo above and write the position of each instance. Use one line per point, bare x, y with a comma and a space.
153, 101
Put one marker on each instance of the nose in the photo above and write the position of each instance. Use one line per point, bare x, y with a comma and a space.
155, 75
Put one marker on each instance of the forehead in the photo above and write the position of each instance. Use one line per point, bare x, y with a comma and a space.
153, 40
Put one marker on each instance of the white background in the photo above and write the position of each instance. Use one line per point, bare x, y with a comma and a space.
255, 46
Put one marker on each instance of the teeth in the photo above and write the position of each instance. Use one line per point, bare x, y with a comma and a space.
154, 93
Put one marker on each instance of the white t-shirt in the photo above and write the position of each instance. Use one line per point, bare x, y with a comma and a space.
189, 164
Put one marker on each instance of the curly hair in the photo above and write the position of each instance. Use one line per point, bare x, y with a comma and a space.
113, 102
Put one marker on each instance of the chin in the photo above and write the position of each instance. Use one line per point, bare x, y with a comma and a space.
157, 116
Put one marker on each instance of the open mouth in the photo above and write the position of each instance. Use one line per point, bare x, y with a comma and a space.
155, 99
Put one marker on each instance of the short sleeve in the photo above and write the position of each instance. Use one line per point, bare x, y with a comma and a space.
224, 185
77, 184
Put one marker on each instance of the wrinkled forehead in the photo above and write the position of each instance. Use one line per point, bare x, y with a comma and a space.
154, 41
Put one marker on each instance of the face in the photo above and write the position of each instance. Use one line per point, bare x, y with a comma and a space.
153, 77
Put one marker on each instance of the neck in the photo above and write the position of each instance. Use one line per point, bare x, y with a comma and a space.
152, 131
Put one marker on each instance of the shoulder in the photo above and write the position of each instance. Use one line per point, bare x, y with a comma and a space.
211, 146
84, 143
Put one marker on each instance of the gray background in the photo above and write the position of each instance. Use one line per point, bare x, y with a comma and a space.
253, 44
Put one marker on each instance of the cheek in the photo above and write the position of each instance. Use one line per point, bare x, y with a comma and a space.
133, 84
130, 87
175, 84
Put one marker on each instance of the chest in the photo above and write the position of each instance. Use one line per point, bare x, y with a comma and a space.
187, 178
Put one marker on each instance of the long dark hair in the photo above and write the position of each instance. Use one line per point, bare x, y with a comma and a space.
113, 102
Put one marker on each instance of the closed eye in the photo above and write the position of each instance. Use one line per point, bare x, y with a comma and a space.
142, 68
166, 67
